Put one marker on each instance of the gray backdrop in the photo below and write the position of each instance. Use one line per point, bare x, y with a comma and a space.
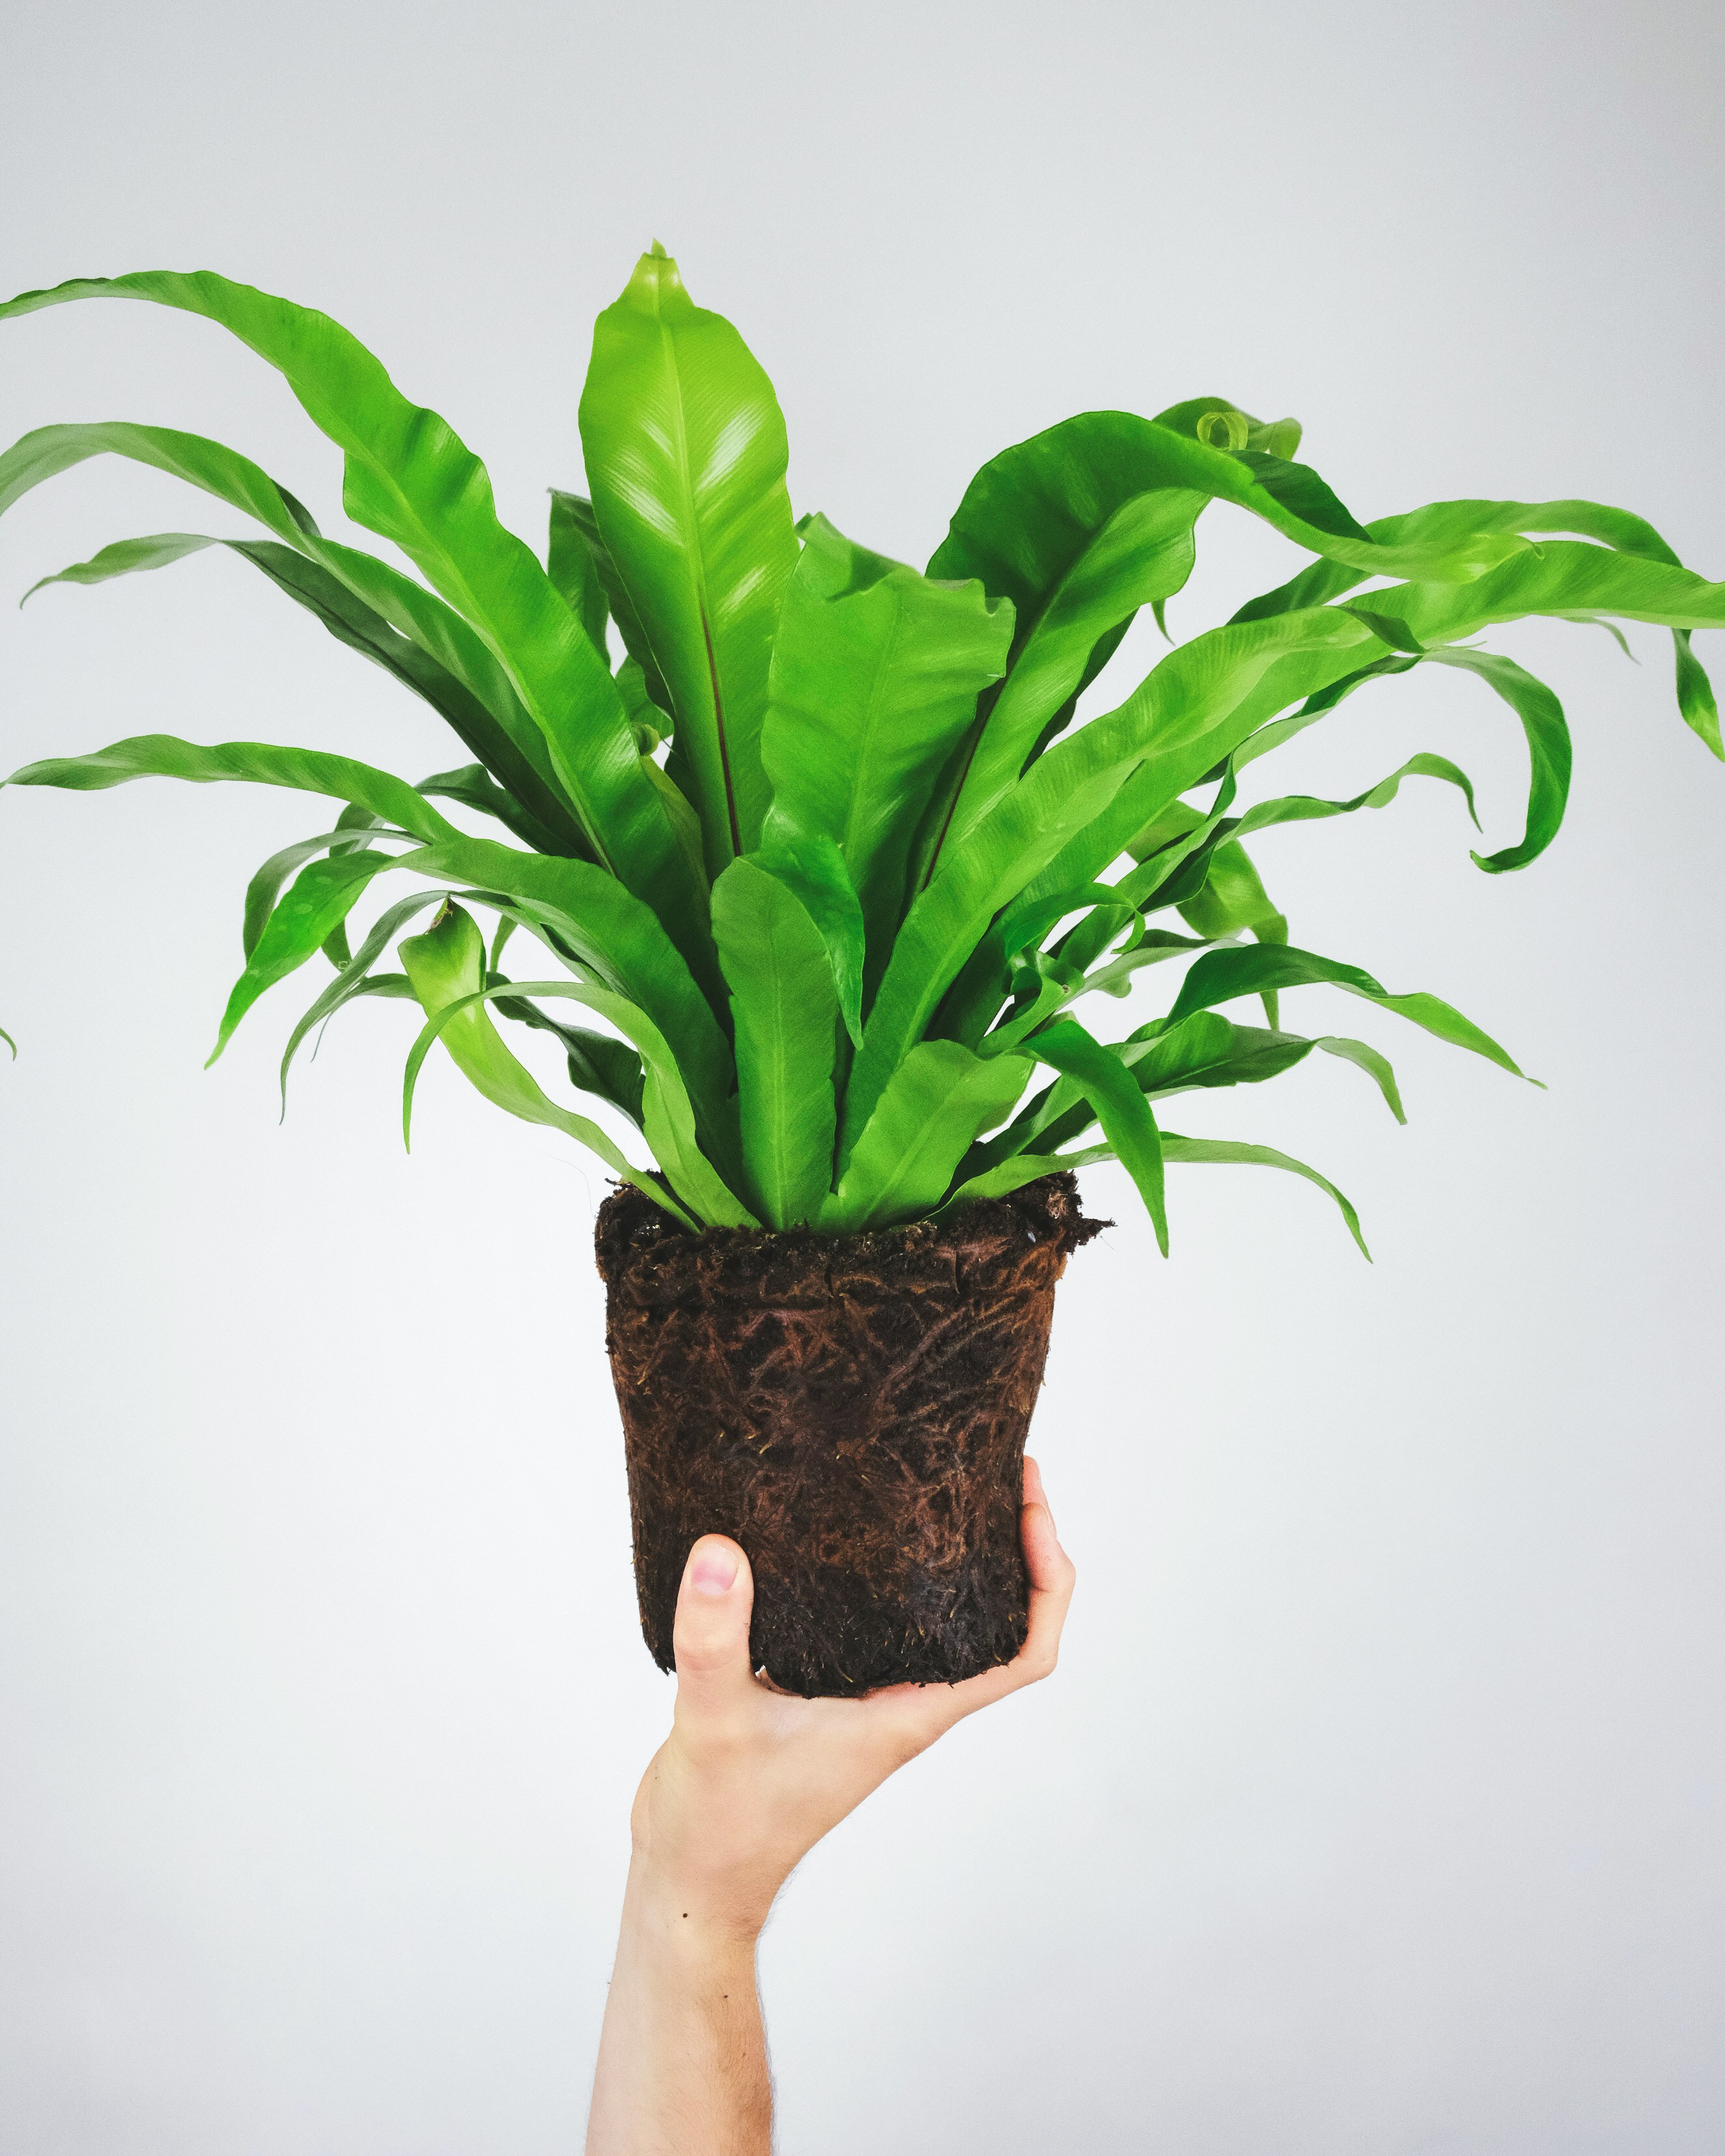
1375, 1806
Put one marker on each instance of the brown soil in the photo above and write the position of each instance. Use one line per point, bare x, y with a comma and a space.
853, 1410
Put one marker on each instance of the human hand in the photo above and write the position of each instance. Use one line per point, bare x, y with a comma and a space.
751, 1778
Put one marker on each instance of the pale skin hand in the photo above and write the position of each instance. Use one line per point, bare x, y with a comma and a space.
747, 1782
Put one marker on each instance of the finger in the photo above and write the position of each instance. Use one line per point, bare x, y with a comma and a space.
1035, 1494
712, 1633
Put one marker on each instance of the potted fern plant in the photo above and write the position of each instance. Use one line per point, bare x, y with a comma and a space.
825, 846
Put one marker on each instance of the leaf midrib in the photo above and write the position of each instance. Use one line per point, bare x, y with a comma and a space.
698, 558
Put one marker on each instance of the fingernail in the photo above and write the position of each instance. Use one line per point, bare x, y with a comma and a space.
714, 1570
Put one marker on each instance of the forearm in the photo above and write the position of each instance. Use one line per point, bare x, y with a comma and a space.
682, 2067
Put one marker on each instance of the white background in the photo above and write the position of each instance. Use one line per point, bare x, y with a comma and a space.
1376, 1806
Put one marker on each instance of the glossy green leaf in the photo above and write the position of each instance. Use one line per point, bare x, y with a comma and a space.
667, 1113
473, 786
595, 923
1234, 898
321, 898
410, 478
1223, 425
356, 977
939, 1098
572, 566
163, 756
265, 888
598, 1063
575, 514
1078, 534
814, 869
1617, 529
1063, 823
1227, 1153
1007, 1176
876, 675
686, 458
365, 604
1146, 454
446, 967
1040, 988
1204, 1051
1549, 749
785, 1006
617, 936
1221, 975
867, 789
1103, 500
1124, 1115
1376, 1066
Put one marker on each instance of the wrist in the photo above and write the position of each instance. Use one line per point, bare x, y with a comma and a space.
688, 1913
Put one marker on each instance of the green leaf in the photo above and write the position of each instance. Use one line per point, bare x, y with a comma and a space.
473, 786
265, 888
355, 978
969, 1006
127, 558
1127, 1123
321, 897
686, 456
1226, 1152
1696, 700
363, 602
1222, 975
164, 756
576, 514
1255, 684
1027, 513
667, 1113
876, 675
1617, 529
446, 967
1040, 989
1203, 1050
786, 1010
598, 1063
814, 869
1366, 1058
571, 564
1126, 454
1548, 750
409, 477
1009, 1175
1234, 898
616, 934
1072, 813
940, 1096
651, 721
1078, 533
589, 919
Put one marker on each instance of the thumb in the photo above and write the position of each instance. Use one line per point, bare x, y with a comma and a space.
712, 1633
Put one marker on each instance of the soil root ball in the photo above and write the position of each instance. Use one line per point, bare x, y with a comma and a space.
853, 1410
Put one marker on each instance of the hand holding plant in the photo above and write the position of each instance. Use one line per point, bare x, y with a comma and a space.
745, 1786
